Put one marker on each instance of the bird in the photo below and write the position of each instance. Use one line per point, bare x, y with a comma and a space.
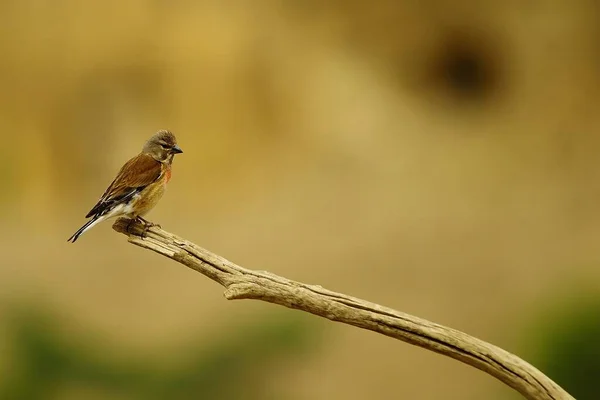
139, 184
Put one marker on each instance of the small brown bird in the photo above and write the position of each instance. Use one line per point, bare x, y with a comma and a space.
139, 185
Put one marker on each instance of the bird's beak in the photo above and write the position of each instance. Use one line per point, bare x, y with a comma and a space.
176, 150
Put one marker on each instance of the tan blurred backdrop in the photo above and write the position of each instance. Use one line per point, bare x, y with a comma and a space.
438, 157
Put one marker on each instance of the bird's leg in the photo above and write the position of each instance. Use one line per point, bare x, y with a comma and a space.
147, 225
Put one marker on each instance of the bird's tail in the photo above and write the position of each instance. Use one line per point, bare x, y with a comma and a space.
88, 225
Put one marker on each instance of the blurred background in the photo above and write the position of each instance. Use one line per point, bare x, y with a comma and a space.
438, 157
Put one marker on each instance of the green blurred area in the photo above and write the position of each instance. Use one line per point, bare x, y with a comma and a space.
566, 344
48, 364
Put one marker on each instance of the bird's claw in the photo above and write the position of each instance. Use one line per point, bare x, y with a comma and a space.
147, 225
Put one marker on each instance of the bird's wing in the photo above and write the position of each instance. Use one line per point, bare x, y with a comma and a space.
135, 175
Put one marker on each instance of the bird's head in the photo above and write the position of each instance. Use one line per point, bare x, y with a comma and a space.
162, 146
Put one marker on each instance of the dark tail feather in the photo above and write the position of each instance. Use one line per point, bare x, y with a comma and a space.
85, 227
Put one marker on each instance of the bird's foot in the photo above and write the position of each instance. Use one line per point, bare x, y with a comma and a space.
147, 225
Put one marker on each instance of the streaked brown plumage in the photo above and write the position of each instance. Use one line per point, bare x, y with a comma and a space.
139, 184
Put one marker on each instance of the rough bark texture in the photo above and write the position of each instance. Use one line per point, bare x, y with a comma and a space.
241, 283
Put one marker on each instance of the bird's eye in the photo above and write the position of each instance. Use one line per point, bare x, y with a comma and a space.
164, 146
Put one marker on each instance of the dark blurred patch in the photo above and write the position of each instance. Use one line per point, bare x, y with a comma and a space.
567, 345
440, 53
465, 68
466, 65
236, 366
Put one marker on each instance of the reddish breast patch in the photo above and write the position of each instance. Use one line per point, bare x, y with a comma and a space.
168, 175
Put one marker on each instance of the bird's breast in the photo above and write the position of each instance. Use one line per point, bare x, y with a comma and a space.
149, 197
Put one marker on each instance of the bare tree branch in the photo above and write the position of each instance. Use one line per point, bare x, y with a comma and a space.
241, 283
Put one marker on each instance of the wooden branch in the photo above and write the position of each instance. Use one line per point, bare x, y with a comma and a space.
241, 283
